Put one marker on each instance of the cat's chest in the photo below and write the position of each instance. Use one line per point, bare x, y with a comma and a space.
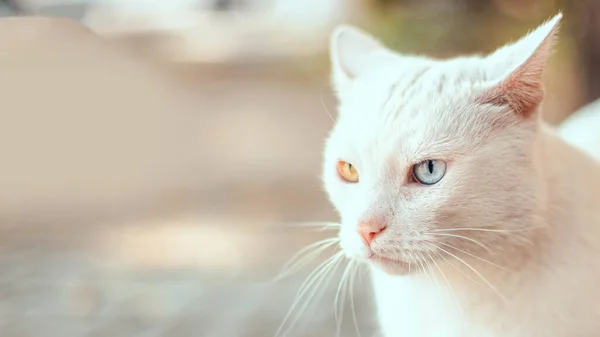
407, 309
424, 308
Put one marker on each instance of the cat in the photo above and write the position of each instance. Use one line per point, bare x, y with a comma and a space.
582, 129
473, 216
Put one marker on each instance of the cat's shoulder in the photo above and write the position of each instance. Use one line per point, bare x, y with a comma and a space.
581, 129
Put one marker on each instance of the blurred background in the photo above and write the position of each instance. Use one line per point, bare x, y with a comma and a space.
153, 179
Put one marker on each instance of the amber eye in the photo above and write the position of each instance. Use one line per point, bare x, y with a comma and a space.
347, 172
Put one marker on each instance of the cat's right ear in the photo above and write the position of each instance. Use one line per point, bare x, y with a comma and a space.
350, 51
518, 70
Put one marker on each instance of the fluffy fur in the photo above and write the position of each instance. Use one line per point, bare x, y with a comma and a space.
507, 243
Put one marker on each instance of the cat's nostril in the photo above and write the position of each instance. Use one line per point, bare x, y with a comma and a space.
368, 230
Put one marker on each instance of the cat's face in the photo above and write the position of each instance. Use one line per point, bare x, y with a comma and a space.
432, 158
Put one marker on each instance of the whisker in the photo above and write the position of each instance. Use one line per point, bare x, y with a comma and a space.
298, 260
325, 242
316, 275
329, 225
486, 229
437, 285
443, 257
319, 289
459, 306
305, 285
325, 107
322, 229
341, 290
476, 257
352, 277
462, 237
423, 269
494, 289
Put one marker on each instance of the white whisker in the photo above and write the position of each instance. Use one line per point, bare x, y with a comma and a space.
356, 267
492, 287
477, 257
319, 270
315, 276
437, 285
459, 306
325, 107
319, 288
461, 237
486, 229
298, 260
423, 269
314, 224
341, 290
443, 257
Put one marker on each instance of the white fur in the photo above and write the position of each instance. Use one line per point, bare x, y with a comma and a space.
527, 196
582, 129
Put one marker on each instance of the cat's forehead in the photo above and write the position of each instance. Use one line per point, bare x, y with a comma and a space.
412, 83
412, 99
404, 109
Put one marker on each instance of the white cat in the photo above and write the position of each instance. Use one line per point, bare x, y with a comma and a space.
476, 218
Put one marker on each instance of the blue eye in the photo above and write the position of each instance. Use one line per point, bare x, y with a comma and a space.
429, 172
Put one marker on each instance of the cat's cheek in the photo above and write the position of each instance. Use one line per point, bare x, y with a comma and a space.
336, 193
346, 198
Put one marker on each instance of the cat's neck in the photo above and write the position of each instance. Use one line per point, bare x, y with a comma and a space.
572, 181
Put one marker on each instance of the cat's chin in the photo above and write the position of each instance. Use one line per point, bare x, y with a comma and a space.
392, 267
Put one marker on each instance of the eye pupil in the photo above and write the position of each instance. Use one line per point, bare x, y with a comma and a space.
347, 172
429, 172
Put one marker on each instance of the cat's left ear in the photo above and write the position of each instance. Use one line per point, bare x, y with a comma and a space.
351, 50
517, 70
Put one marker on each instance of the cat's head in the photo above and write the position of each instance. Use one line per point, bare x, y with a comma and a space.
429, 157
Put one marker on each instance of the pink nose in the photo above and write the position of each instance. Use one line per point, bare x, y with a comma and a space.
369, 229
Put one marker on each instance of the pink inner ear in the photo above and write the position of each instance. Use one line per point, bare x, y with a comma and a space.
522, 91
